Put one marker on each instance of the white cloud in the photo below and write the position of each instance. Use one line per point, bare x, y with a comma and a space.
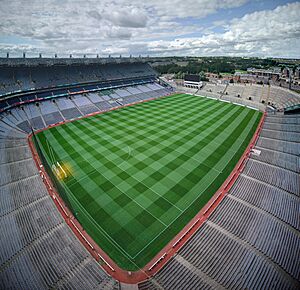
193, 8
265, 33
127, 17
149, 27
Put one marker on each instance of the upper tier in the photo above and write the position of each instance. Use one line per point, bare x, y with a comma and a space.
26, 78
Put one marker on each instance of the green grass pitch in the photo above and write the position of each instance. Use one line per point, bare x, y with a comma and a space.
139, 174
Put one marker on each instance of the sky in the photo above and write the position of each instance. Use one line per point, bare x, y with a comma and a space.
152, 27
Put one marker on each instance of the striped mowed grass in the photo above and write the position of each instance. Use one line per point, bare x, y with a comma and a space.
137, 175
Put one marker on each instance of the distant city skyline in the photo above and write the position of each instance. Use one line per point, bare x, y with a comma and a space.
155, 28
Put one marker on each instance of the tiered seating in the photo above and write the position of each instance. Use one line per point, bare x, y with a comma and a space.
88, 276
21, 193
278, 145
68, 108
84, 104
271, 199
181, 276
281, 135
276, 96
104, 106
19, 227
282, 127
254, 92
282, 98
135, 90
226, 260
244, 102
277, 158
148, 285
286, 119
50, 113
37, 248
276, 176
216, 89
122, 93
14, 78
190, 91
100, 101
15, 171
235, 90
13, 154
22, 120
241, 220
9, 129
143, 88
34, 116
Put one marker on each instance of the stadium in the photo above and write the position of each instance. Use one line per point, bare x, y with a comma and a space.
149, 145
113, 178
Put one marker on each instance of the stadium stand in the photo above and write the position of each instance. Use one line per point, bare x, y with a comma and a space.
261, 94
14, 78
251, 240
251, 95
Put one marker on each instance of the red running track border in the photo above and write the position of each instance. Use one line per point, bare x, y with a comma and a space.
173, 246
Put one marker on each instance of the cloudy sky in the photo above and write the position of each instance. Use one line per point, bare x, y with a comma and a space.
154, 27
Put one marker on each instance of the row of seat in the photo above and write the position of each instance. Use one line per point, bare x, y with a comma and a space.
276, 201
277, 158
279, 145
279, 177
11, 172
37, 248
279, 97
26, 78
229, 261
267, 236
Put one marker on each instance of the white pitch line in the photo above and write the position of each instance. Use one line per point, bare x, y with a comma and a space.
132, 199
156, 235
177, 216
172, 221
94, 222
